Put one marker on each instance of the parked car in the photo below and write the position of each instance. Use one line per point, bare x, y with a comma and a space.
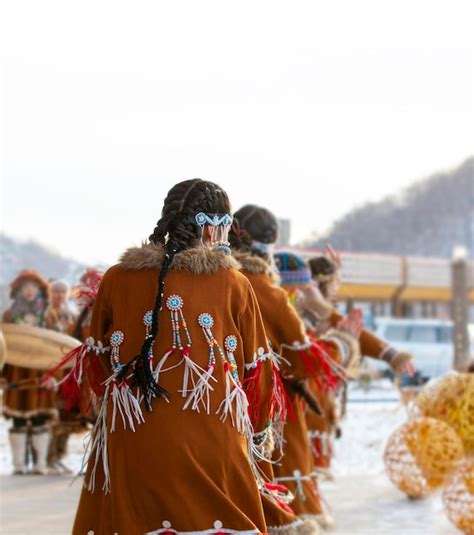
430, 341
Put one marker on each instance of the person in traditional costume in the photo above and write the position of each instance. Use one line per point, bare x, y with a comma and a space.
59, 317
179, 357
253, 236
31, 408
321, 318
325, 271
298, 465
76, 403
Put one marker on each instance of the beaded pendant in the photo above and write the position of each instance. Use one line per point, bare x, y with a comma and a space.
230, 344
174, 304
116, 340
235, 403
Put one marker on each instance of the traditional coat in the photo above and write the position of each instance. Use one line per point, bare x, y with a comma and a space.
188, 465
29, 399
296, 468
293, 465
321, 426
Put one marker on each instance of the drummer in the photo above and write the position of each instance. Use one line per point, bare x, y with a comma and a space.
59, 317
31, 408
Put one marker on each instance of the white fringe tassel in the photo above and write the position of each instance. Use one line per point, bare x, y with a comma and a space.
200, 394
234, 393
98, 446
127, 405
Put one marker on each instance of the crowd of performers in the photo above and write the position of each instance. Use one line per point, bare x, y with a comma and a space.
214, 364
43, 418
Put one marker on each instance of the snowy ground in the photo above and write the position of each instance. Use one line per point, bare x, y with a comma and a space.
362, 499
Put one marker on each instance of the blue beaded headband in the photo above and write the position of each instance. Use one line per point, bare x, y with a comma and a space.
215, 220
264, 248
292, 277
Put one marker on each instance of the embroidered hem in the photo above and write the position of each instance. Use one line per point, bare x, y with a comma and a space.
294, 524
217, 529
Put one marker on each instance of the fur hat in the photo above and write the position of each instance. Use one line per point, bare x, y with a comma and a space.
28, 275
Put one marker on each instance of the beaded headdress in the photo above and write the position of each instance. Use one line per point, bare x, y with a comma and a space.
292, 277
220, 225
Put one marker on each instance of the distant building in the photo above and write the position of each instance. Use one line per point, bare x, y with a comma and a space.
284, 233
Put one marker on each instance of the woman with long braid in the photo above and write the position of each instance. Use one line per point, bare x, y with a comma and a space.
179, 357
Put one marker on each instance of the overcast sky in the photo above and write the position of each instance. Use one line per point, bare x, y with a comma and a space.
308, 108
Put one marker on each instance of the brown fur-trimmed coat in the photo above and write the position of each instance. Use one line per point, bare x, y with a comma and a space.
181, 469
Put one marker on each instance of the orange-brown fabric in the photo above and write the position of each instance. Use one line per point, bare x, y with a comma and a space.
296, 470
29, 399
285, 330
180, 470
321, 426
276, 516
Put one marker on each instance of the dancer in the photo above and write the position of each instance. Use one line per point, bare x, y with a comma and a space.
297, 467
325, 271
253, 235
177, 336
59, 317
31, 408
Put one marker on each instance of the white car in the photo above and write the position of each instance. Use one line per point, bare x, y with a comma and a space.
430, 341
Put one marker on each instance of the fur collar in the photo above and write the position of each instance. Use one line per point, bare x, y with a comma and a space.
198, 260
254, 264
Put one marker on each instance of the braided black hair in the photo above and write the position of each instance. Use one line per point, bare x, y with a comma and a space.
253, 222
175, 231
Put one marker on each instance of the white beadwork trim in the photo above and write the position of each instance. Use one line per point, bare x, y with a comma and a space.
294, 524
97, 348
298, 346
259, 356
218, 528
298, 478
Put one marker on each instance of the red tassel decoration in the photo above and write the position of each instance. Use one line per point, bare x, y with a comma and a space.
71, 393
251, 387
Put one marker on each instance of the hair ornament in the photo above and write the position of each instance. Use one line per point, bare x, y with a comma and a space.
214, 220
220, 225
262, 248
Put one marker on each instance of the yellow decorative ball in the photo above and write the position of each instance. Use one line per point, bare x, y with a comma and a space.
458, 498
421, 454
450, 399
